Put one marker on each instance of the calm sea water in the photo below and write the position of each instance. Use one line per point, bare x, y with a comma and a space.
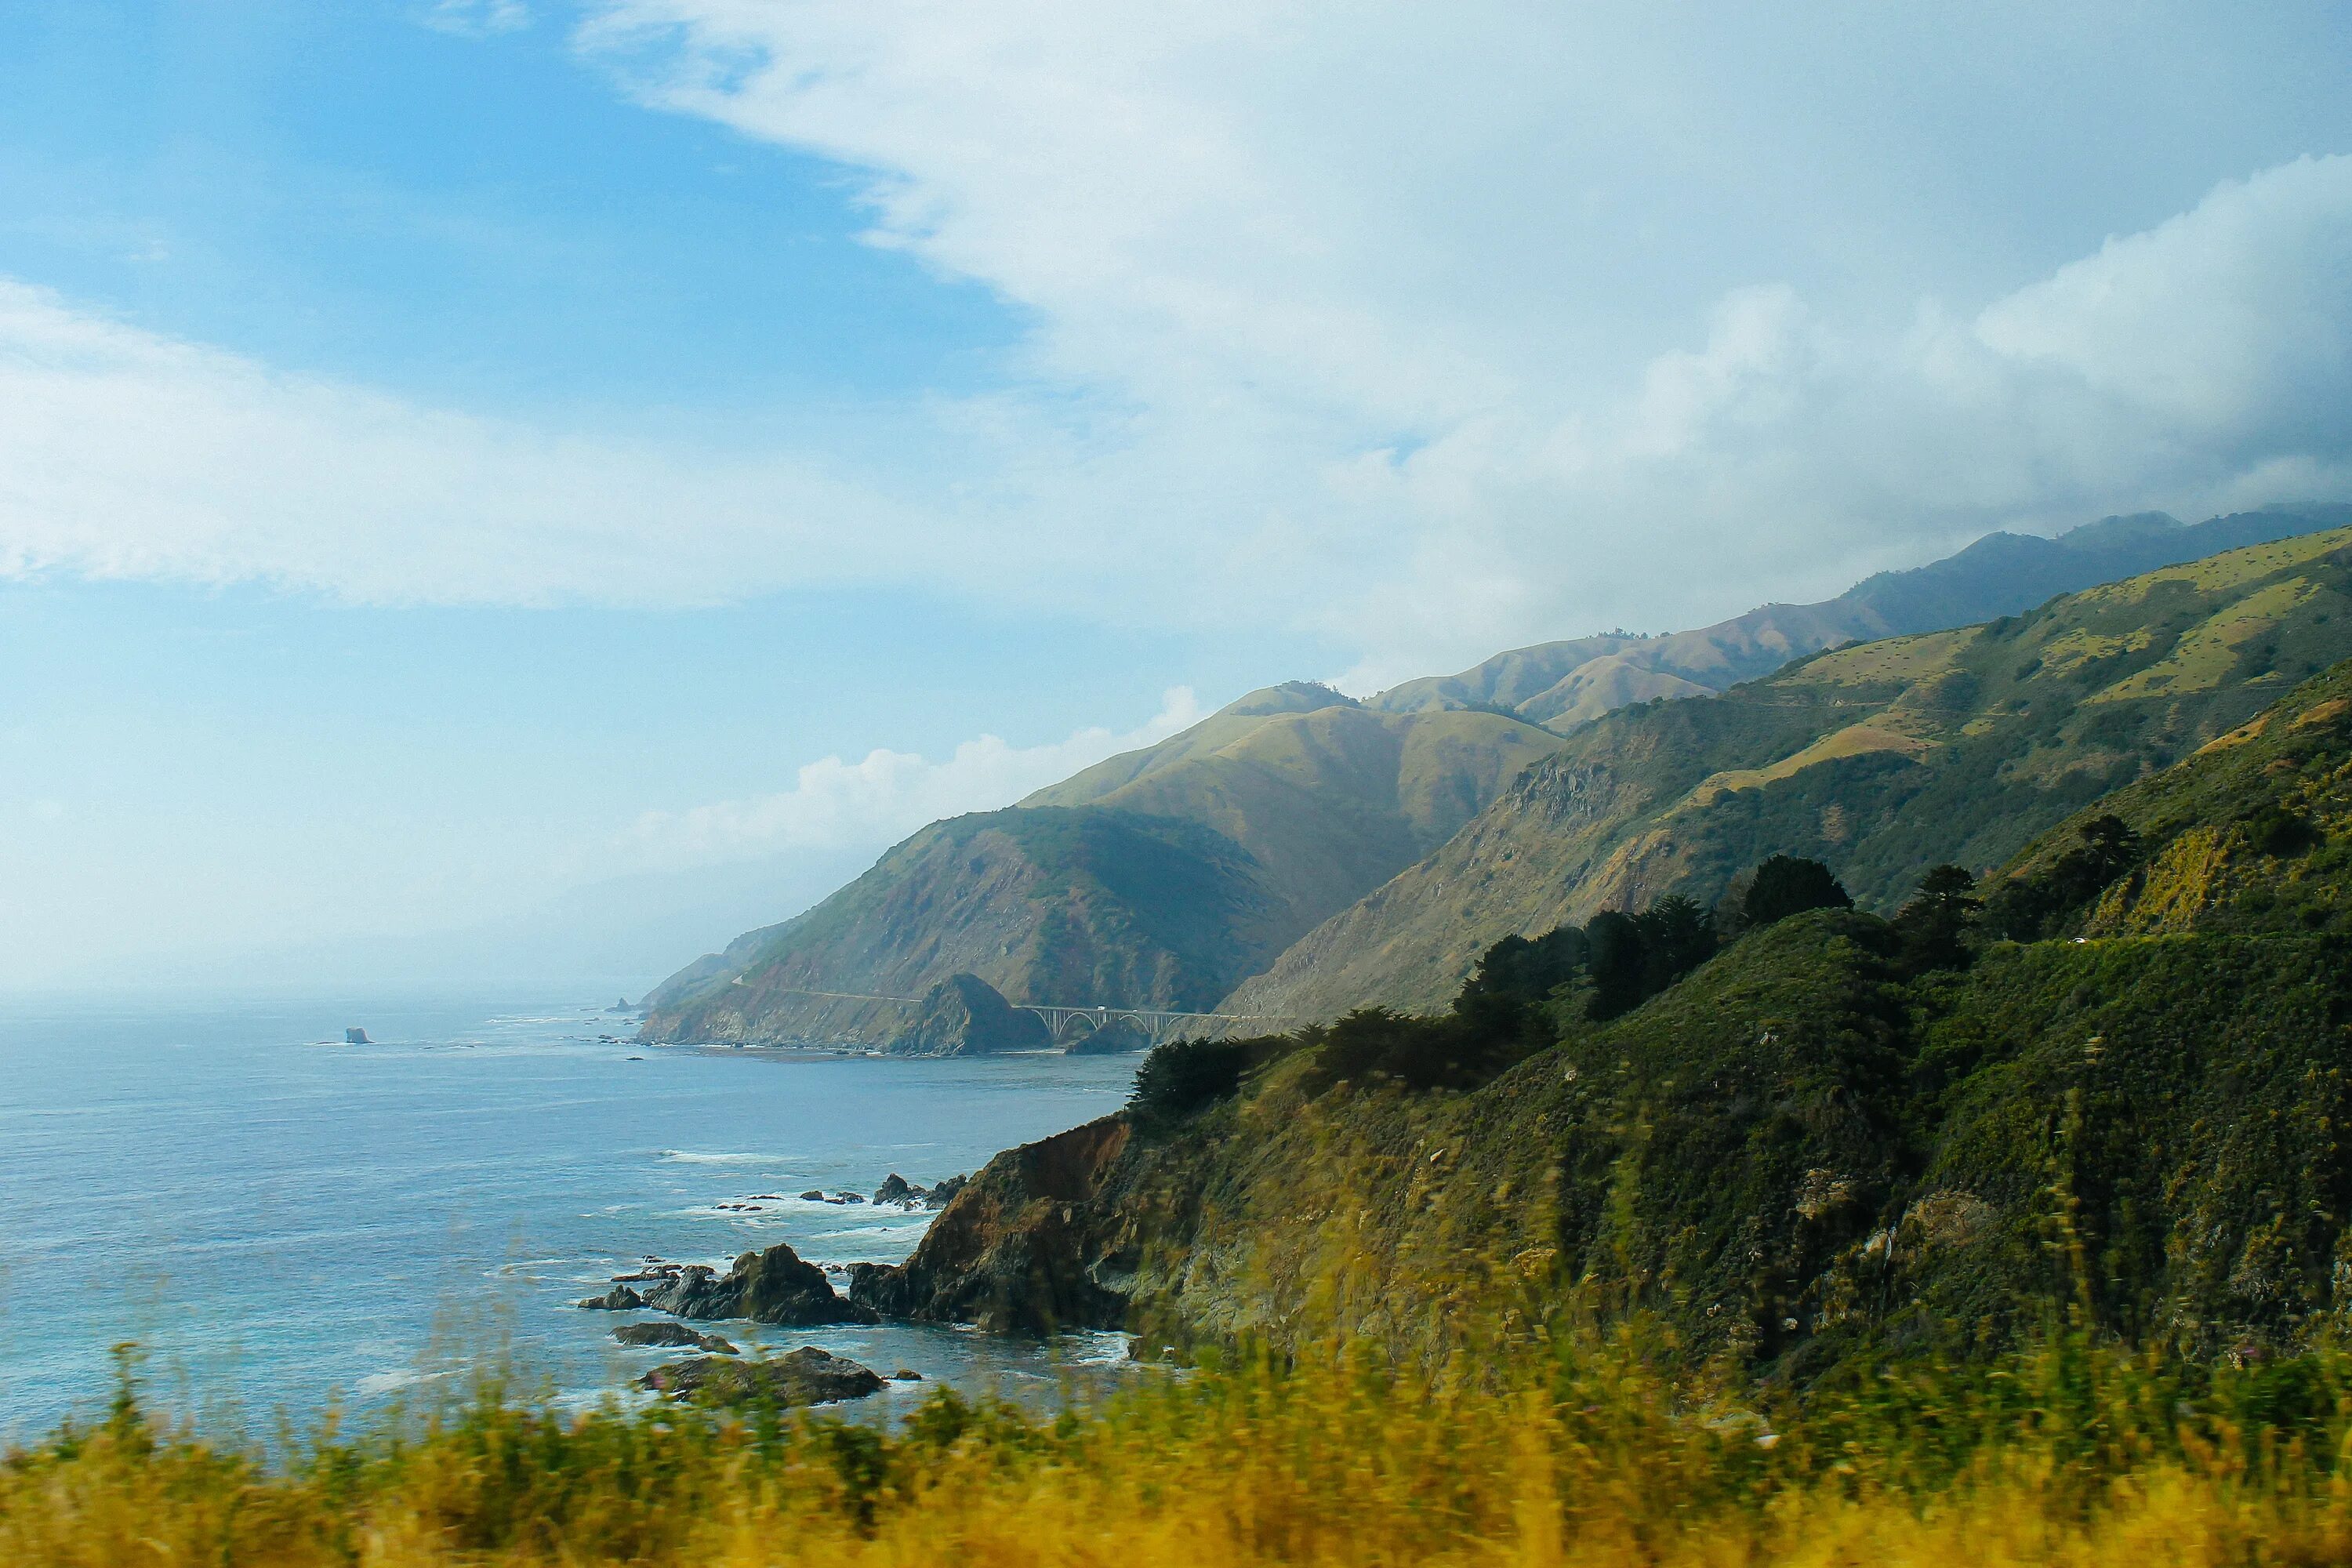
280, 1222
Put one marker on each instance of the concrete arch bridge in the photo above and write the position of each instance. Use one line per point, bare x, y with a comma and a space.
1066, 1025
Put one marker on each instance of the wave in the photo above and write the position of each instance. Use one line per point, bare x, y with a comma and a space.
720, 1157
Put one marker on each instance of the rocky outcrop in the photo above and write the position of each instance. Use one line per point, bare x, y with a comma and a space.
619, 1298
672, 1336
806, 1376
964, 1015
1018, 1249
771, 1287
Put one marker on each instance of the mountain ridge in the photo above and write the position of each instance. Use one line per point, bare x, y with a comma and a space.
1315, 801
2003, 729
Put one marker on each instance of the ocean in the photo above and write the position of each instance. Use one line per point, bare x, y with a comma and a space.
282, 1225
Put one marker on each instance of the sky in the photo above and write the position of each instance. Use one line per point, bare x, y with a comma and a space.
504, 488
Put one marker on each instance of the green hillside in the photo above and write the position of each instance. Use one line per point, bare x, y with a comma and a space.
1881, 759
1821, 1144
1564, 684
1159, 879
2251, 836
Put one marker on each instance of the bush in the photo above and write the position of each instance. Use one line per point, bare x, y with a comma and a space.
1183, 1077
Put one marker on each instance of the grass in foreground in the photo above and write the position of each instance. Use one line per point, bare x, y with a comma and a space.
2071, 1453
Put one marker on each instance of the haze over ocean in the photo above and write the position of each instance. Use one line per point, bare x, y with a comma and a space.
278, 1221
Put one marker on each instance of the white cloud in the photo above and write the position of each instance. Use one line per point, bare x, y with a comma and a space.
477, 18
1432, 339
881, 798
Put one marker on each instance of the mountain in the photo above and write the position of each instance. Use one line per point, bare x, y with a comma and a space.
1881, 759
1310, 801
1819, 1145
1159, 878
1563, 684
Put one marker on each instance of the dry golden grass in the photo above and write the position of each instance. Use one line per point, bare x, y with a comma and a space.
2069, 1455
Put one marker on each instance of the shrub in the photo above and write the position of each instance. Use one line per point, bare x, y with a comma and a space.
1183, 1077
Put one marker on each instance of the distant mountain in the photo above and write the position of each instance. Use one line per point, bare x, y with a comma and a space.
1881, 759
1563, 684
1168, 876
1159, 878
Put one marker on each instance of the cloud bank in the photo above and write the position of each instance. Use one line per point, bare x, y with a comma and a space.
1358, 323
882, 797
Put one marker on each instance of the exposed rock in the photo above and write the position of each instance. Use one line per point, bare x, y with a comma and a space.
770, 1287
965, 1015
905, 1374
894, 1190
813, 1196
619, 1298
940, 1196
1114, 1036
1015, 1249
672, 1335
806, 1376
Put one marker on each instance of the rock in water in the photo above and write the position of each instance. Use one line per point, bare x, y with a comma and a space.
807, 1376
936, 1198
672, 1335
1021, 1249
965, 1015
770, 1287
619, 1298
894, 1190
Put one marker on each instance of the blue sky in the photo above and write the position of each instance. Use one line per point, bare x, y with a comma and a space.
503, 487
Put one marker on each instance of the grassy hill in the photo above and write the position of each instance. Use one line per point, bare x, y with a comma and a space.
1159, 879
1881, 760
1564, 684
1816, 1147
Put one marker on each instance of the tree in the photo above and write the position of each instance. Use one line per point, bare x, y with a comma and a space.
1935, 924
1632, 958
1677, 936
1523, 970
1617, 957
1789, 885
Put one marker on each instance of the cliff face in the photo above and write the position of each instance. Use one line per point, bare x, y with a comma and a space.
1018, 1250
1792, 1155
1881, 760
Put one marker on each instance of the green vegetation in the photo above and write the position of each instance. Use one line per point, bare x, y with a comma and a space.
1833, 1137
1880, 760
1571, 1444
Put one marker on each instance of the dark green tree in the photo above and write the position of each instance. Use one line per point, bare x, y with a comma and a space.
1617, 957
1789, 885
1936, 923
1677, 936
